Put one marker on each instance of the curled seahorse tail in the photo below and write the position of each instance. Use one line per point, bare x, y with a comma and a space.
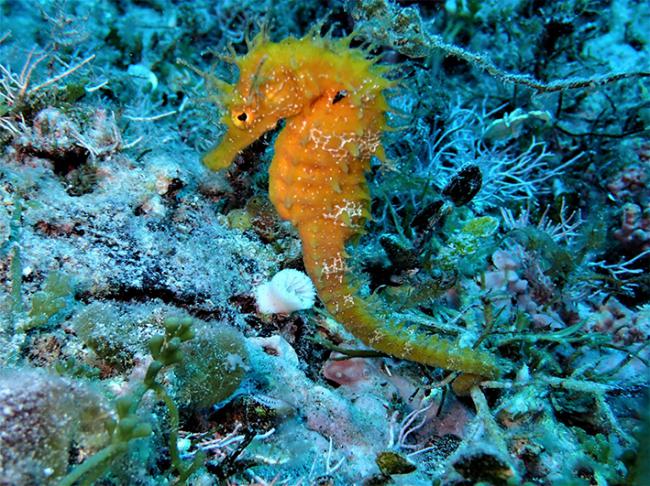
373, 325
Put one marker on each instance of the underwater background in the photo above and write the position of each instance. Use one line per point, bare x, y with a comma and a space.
157, 325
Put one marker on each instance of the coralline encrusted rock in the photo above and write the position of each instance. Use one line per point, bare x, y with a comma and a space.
41, 417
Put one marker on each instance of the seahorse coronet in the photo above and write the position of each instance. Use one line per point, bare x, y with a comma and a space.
332, 99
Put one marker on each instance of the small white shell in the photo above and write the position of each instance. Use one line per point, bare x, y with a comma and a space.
288, 291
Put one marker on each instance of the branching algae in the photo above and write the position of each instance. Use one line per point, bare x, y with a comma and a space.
332, 100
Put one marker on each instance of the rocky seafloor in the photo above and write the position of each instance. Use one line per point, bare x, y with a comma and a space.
512, 212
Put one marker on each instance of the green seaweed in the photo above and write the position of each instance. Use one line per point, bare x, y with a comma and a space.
468, 247
56, 297
166, 352
212, 368
602, 456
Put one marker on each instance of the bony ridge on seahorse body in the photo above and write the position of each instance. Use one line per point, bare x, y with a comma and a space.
331, 98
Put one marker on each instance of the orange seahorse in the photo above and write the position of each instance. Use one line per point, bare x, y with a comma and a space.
331, 98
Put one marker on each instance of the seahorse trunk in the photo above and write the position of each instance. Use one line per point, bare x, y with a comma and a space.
317, 182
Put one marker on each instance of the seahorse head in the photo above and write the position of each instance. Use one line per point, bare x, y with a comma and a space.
267, 91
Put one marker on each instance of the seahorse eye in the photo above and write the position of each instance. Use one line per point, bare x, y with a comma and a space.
241, 118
